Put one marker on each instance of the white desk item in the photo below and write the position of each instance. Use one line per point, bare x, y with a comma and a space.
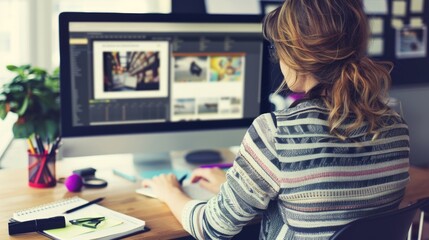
193, 190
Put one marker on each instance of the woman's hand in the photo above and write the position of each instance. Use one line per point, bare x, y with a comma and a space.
164, 186
167, 189
209, 178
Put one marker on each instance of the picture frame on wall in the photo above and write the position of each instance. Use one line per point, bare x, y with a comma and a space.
411, 42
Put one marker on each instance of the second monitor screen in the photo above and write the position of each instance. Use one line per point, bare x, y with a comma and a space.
164, 72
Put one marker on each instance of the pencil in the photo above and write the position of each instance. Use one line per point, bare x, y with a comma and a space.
30, 146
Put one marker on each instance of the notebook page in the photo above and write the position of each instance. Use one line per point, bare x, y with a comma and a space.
118, 224
48, 210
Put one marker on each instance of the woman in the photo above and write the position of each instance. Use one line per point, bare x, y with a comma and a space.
335, 156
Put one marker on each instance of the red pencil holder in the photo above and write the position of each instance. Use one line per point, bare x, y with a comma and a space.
41, 170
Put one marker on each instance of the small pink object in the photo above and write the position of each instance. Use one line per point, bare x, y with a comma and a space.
74, 183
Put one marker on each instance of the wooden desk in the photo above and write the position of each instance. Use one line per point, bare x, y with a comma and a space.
120, 196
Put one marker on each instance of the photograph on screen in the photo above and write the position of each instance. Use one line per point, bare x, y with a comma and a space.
411, 42
190, 69
230, 105
130, 69
226, 68
208, 105
184, 106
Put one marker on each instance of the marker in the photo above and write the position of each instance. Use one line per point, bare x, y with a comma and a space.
36, 225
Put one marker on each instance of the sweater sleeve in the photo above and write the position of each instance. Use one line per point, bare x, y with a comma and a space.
251, 184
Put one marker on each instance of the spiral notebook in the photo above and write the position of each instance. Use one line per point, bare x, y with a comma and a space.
115, 225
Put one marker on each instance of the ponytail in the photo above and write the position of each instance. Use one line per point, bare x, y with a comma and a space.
360, 92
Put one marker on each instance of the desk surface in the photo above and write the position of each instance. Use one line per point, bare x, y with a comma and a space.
120, 196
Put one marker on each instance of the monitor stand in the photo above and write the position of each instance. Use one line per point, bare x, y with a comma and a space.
144, 162
151, 161
203, 157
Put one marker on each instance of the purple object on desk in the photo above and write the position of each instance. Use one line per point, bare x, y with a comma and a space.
219, 165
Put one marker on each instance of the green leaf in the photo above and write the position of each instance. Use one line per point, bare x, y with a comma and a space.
16, 88
3, 111
56, 72
52, 129
23, 130
25, 67
38, 71
24, 106
11, 68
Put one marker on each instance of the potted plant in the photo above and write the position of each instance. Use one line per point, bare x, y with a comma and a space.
33, 94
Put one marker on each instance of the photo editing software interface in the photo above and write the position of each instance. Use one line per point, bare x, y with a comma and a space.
148, 72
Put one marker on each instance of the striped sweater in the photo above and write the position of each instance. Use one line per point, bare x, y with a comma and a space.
305, 182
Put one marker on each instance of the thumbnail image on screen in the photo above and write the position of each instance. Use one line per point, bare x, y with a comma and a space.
131, 71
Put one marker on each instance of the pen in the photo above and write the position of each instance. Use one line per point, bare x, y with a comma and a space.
39, 144
219, 165
182, 179
84, 205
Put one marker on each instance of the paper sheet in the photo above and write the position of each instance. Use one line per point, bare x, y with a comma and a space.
397, 23
416, 22
399, 8
71, 231
376, 47
234, 6
417, 6
375, 6
376, 25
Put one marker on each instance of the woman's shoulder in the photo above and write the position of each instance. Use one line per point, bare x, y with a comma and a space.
304, 105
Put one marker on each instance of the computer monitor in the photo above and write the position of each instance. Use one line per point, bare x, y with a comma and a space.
149, 83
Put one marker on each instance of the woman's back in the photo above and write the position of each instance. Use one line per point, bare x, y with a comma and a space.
326, 182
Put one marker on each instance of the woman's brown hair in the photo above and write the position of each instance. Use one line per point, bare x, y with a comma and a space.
328, 39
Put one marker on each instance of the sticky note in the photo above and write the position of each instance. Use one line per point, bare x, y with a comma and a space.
416, 22
417, 6
399, 8
376, 25
233, 7
397, 23
375, 6
376, 47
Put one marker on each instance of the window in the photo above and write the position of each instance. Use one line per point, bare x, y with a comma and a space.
14, 35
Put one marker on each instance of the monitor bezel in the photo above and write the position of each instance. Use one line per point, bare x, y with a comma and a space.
67, 128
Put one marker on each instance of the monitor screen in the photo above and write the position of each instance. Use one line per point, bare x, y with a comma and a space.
156, 78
